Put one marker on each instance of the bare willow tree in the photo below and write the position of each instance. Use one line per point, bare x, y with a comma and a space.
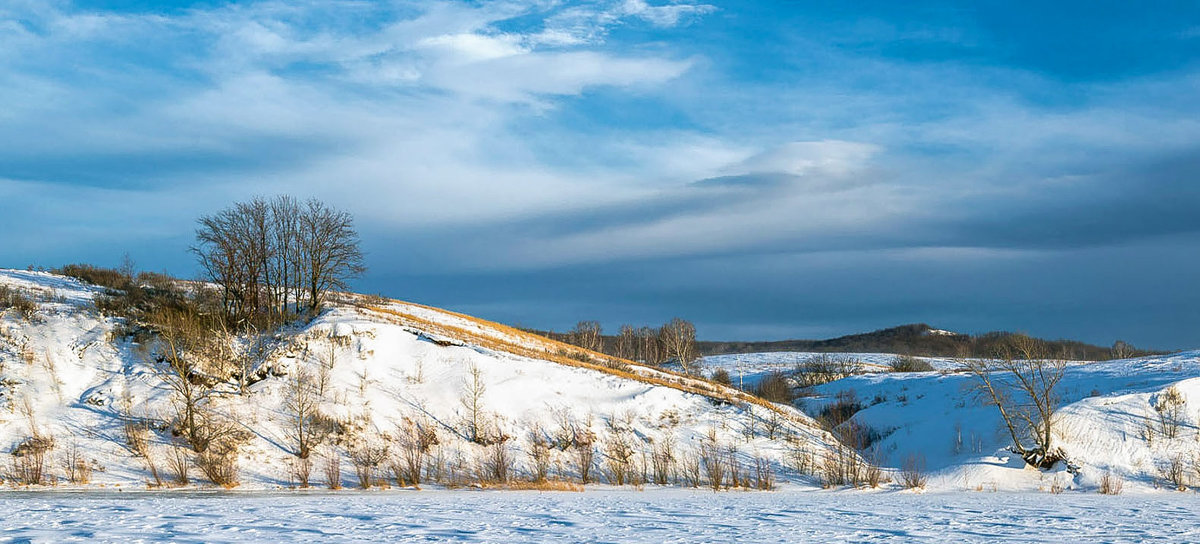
274, 256
678, 339
1022, 382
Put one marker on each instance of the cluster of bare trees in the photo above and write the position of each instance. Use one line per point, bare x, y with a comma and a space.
272, 257
674, 341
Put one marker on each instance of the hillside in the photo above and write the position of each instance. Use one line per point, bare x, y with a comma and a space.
915, 339
488, 402
1111, 419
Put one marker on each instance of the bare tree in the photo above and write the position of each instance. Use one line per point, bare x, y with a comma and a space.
1022, 383
180, 363
648, 349
267, 255
329, 250
587, 335
626, 347
678, 338
300, 404
1122, 350
473, 390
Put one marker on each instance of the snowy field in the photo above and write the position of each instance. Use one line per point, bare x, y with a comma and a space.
658, 516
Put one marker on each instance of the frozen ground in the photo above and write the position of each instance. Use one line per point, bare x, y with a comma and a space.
658, 516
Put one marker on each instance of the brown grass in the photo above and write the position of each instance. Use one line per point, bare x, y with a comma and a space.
545, 485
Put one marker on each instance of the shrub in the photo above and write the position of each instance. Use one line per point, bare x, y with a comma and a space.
12, 299
1111, 484
95, 275
179, 463
825, 368
841, 410
776, 387
29, 460
1170, 406
662, 460
721, 376
764, 474
1173, 472
331, 465
366, 457
619, 459
912, 474
77, 467
220, 466
908, 363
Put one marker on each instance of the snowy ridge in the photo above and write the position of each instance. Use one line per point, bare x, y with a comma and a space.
63, 375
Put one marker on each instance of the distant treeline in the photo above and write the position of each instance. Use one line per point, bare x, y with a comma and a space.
925, 341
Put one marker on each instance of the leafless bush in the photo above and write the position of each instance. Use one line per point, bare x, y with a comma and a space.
1173, 472
77, 467
179, 462
1022, 382
736, 478
824, 368
496, 464
473, 389
764, 474
29, 460
300, 404
12, 299
219, 465
912, 474
776, 387
301, 470
415, 442
618, 456
800, 458
689, 468
1111, 484
908, 363
584, 452
539, 455
366, 456
841, 466
137, 437
712, 460
662, 460
331, 466
1170, 406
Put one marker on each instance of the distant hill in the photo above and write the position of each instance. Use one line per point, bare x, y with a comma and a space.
914, 339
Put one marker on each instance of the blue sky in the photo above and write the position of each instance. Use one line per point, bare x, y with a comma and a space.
766, 169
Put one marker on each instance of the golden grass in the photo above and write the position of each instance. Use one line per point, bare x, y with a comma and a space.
547, 485
539, 347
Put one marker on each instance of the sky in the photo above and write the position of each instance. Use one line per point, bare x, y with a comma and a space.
766, 169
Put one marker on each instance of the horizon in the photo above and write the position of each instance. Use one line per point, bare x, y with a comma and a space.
766, 172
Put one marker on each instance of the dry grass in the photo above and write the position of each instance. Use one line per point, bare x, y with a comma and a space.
544, 485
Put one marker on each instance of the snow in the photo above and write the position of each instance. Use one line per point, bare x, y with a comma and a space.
747, 369
655, 515
61, 376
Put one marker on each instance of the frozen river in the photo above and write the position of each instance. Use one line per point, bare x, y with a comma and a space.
657, 516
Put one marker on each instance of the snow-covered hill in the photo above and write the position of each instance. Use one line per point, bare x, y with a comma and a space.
1107, 422
384, 367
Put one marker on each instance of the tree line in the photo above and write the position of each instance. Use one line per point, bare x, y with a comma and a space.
674, 341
